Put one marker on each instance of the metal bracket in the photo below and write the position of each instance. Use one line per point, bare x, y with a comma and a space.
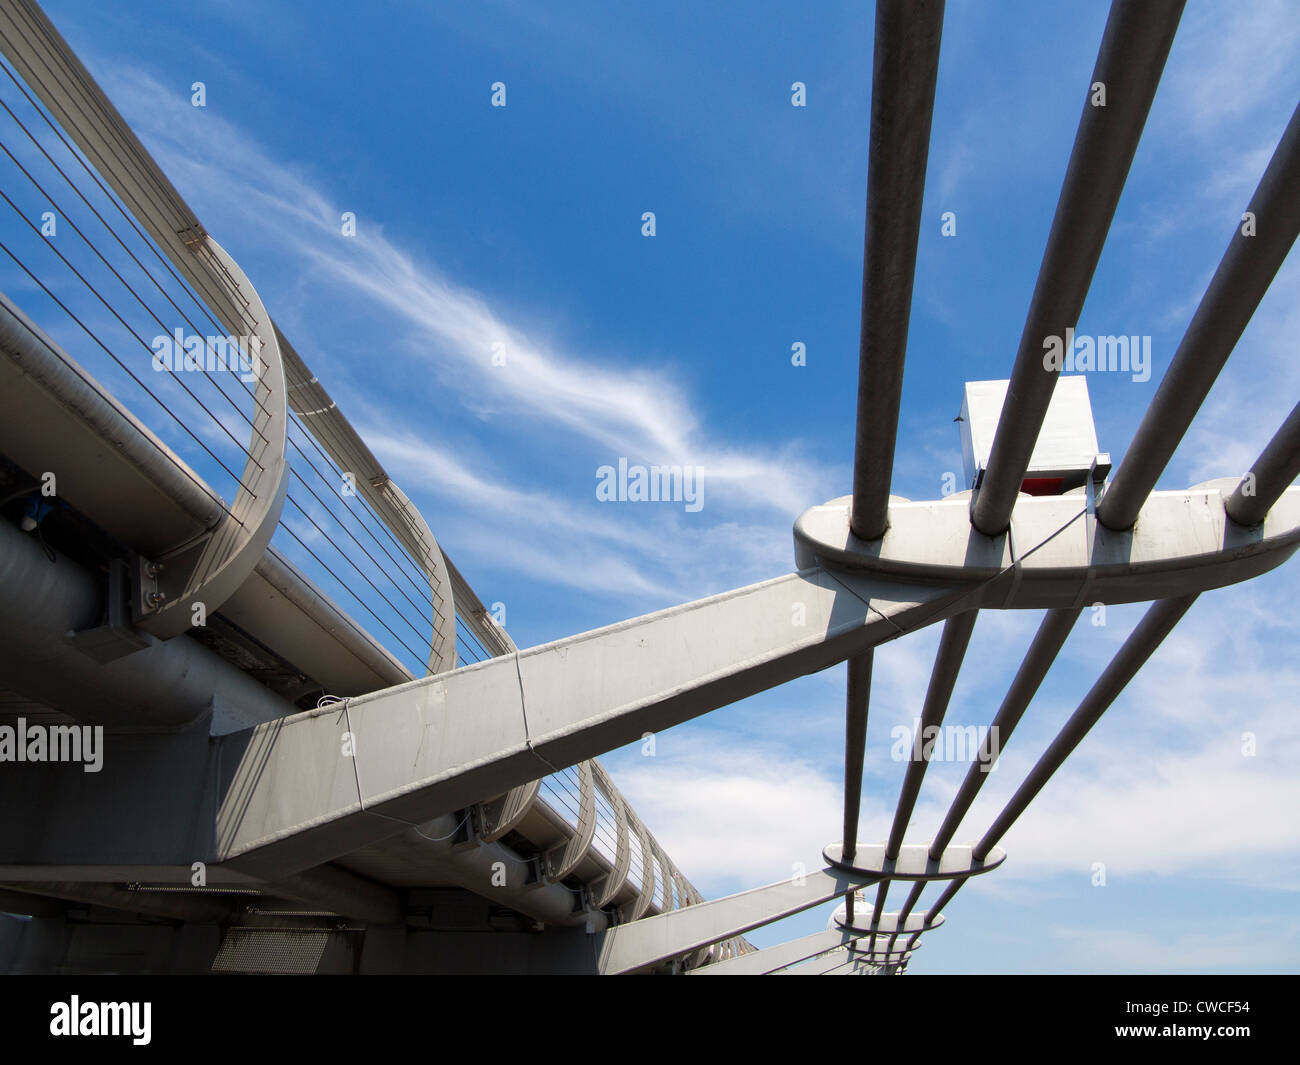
117, 637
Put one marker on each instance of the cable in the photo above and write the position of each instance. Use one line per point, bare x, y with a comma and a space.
90, 333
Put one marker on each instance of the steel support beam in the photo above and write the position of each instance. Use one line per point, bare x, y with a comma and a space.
1047, 644
343, 893
1184, 542
837, 963
1141, 644
442, 743
947, 663
1254, 256
647, 942
1277, 466
1048, 641
855, 749
906, 69
1129, 63
769, 960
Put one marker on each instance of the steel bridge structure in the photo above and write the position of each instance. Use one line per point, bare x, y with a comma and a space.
282, 789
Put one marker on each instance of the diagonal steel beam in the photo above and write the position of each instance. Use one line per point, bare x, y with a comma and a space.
1156, 624
651, 940
844, 962
902, 103
1048, 641
398, 757
1132, 55
855, 750
761, 962
837, 962
1277, 466
1254, 256
943, 678
1142, 642
1047, 644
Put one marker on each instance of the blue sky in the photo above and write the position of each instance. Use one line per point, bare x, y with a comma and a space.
521, 227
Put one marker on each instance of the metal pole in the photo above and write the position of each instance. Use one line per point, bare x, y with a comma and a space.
952, 649
1253, 258
855, 751
1155, 625
943, 677
1132, 56
902, 105
1277, 466
1048, 641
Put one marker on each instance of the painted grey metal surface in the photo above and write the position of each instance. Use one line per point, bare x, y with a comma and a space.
1244, 274
166, 684
1157, 623
889, 923
1277, 466
440, 743
1048, 641
952, 649
209, 571
769, 960
634, 946
1132, 56
913, 862
906, 70
1066, 445
1185, 542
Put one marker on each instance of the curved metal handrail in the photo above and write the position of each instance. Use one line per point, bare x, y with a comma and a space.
208, 570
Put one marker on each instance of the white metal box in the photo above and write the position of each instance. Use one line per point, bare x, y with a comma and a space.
1067, 444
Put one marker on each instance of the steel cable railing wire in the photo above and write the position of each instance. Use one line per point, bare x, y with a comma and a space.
405, 563
161, 324
566, 788
565, 805
179, 208
180, 420
181, 423
67, 218
414, 605
342, 583
113, 233
607, 824
120, 363
571, 773
321, 428
418, 629
136, 295
139, 299
143, 343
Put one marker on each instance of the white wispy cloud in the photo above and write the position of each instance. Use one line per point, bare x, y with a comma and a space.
555, 401
631, 410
